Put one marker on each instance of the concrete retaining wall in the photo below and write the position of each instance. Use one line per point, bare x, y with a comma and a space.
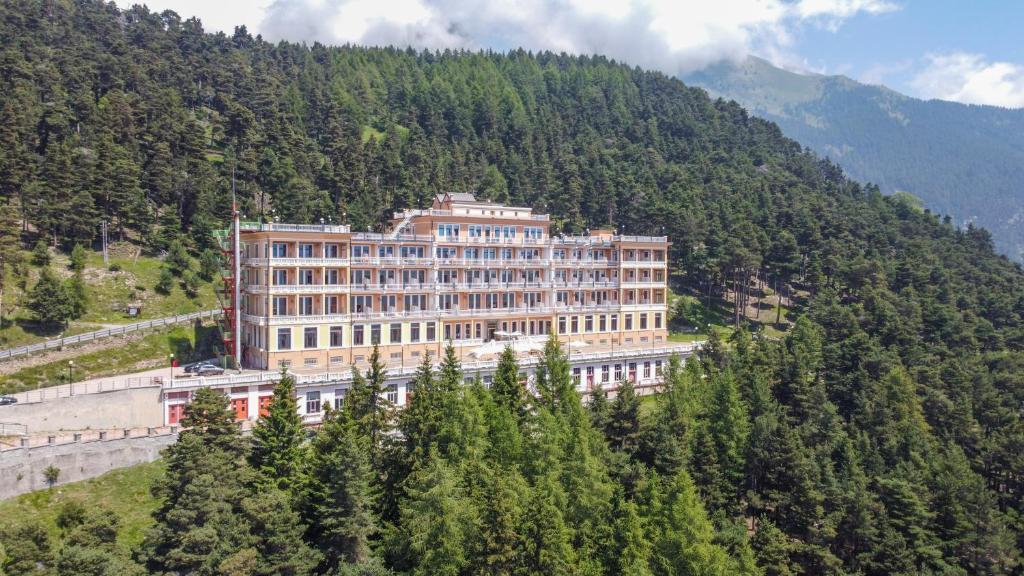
22, 470
136, 407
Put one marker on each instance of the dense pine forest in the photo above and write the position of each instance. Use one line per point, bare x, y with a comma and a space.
882, 434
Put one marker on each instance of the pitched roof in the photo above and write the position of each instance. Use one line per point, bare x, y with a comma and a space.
456, 197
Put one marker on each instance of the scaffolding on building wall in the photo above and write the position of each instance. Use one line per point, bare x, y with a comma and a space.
230, 291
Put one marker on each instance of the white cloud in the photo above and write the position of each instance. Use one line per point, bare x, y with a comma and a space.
970, 78
675, 36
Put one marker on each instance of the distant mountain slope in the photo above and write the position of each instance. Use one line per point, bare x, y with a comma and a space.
962, 160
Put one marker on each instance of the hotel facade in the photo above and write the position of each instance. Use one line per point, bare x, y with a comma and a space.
315, 299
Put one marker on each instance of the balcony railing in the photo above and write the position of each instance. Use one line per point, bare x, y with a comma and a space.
293, 262
282, 227
444, 314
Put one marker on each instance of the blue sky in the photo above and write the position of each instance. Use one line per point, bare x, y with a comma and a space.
966, 51
895, 47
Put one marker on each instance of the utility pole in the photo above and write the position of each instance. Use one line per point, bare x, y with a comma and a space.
106, 254
237, 272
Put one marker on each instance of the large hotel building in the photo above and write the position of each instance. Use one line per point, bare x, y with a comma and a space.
315, 299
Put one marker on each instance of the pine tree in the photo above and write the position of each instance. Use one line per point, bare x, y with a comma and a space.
165, 282
28, 549
369, 404
78, 257
506, 388
277, 438
773, 550
49, 300
78, 298
201, 493
438, 521
275, 534
685, 537
729, 428
41, 254
335, 496
623, 426
599, 409
501, 545
633, 549
547, 538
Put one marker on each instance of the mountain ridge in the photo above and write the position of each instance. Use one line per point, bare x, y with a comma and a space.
958, 158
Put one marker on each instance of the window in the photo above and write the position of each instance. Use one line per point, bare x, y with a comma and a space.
628, 321
305, 276
309, 337
643, 321
360, 304
331, 251
360, 251
431, 331
576, 376
657, 367
337, 360
588, 324
332, 277
309, 362
605, 373
396, 333
284, 338
575, 324
618, 372
647, 369
280, 306
657, 320
448, 230
374, 333
602, 323
357, 335
339, 398
280, 277
392, 393
306, 306
615, 322
414, 332
280, 250
305, 250
312, 402
411, 251
331, 305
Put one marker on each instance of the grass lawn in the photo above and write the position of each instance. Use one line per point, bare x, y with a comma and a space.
648, 404
149, 352
109, 292
124, 491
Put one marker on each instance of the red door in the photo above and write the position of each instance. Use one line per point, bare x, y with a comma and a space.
265, 405
241, 408
175, 412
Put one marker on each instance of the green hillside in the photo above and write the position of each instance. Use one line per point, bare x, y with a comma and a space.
878, 432
962, 160
130, 279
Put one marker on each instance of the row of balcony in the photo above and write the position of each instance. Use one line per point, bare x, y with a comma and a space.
454, 313
429, 262
448, 286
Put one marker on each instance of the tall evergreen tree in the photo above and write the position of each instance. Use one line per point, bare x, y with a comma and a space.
277, 437
335, 497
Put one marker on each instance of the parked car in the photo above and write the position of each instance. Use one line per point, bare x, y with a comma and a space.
207, 369
5, 400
